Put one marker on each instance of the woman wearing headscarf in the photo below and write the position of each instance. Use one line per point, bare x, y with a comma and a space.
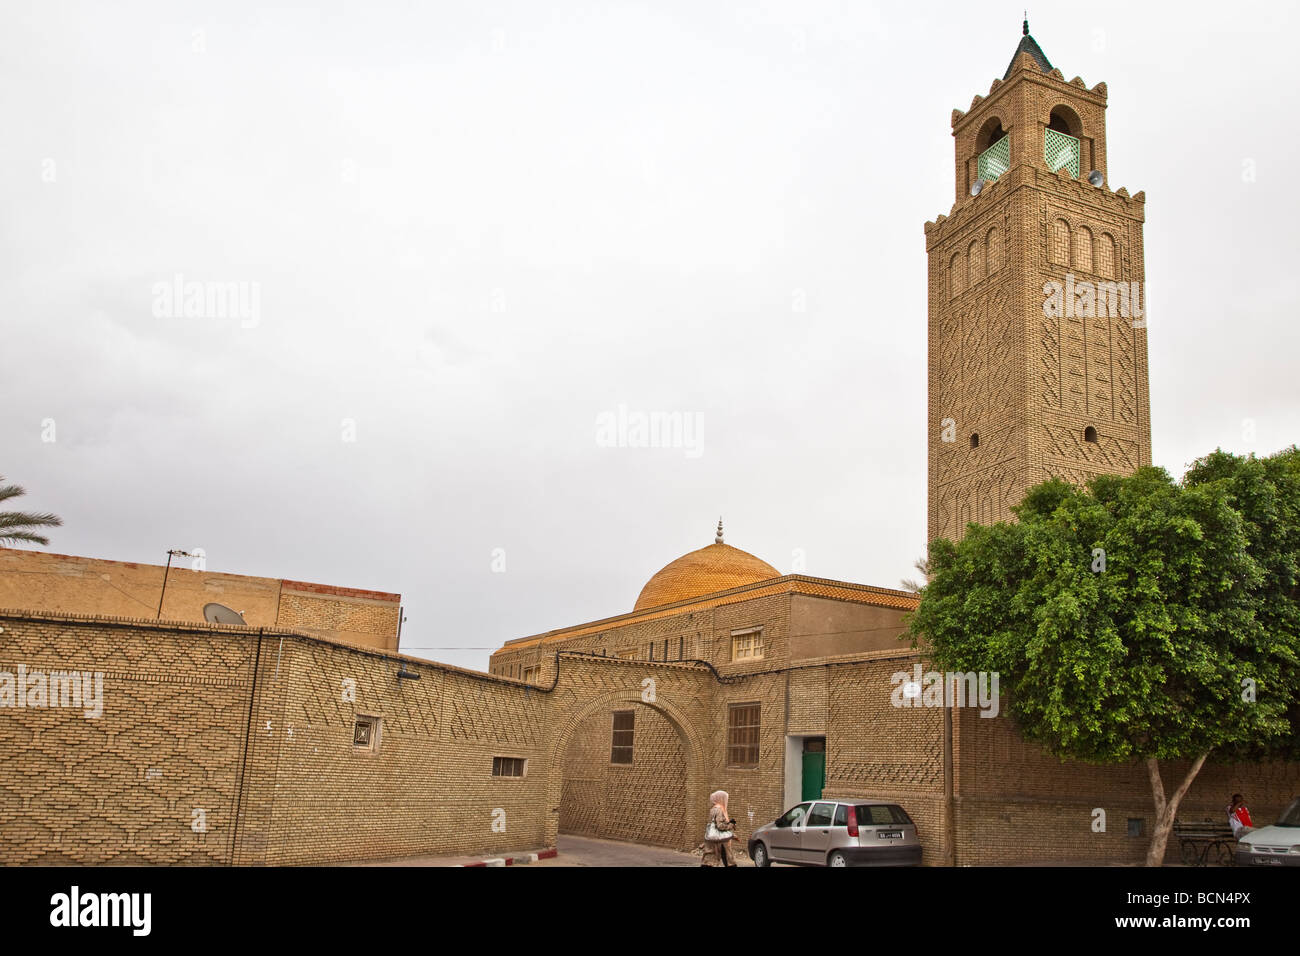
719, 822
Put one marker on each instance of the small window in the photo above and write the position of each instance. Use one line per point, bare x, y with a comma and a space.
1090, 434
365, 734
508, 766
530, 673
747, 645
841, 816
1135, 826
975, 439
620, 747
743, 726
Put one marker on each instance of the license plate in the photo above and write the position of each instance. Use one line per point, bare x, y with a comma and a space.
897, 835
1264, 861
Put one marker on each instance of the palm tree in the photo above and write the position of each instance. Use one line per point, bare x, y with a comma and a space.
922, 565
18, 526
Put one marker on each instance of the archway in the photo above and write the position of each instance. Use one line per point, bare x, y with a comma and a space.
640, 783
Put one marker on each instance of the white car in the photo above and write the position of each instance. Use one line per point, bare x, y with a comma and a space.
1278, 845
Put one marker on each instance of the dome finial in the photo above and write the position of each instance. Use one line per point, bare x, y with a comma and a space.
1025, 26
718, 539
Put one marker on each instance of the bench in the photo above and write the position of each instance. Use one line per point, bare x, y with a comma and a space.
1203, 842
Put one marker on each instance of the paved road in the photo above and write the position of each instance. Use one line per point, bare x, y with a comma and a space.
589, 851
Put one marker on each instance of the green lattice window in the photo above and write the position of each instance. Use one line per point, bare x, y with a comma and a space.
995, 160
1061, 151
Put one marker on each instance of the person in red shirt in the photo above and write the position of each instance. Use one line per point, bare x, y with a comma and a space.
1239, 816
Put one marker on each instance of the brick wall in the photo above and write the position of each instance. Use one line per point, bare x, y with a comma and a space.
39, 581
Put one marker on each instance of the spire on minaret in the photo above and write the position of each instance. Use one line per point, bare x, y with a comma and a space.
718, 539
1028, 45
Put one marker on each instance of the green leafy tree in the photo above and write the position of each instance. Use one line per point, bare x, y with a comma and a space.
1127, 620
16, 526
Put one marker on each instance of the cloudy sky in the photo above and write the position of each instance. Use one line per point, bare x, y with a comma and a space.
466, 231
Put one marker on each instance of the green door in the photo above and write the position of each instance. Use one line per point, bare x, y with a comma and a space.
814, 775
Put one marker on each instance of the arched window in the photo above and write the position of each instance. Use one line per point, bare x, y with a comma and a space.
1106, 256
954, 276
992, 254
1090, 434
1065, 120
973, 263
975, 439
1083, 250
1059, 251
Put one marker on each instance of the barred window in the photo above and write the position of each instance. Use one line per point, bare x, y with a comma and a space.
508, 766
747, 645
743, 722
620, 748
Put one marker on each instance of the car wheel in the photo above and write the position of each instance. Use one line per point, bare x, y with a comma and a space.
837, 859
760, 856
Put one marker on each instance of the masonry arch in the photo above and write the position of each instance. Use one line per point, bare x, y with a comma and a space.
659, 801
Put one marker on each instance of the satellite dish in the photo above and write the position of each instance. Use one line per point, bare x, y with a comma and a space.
1096, 178
976, 187
220, 614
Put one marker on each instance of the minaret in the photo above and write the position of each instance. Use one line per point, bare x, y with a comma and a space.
1037, 326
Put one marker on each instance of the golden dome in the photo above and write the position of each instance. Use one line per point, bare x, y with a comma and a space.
717, 567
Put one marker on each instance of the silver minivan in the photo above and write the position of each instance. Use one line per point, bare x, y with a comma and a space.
839, 832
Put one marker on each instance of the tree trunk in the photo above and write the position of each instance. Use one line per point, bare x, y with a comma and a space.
1167, 810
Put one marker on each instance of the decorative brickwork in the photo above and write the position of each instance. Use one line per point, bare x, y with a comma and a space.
1027, 383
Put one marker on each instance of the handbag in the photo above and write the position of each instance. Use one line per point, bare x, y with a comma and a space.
713, 835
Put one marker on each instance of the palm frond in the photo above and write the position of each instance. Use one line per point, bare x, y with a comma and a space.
19, 519
8, 538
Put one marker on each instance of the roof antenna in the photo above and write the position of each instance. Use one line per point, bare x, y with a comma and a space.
718, 539
1026, 23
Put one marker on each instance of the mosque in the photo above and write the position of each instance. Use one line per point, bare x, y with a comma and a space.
304, 736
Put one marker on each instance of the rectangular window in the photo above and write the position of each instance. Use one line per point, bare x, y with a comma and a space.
530, 673
747, 645
508, 766
620, 747
365, 733
743, 722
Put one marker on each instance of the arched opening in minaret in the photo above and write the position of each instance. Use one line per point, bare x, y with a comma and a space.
1065, 120
975, 439
1090, 434
989, 134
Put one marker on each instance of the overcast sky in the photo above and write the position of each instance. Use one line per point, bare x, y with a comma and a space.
474, 228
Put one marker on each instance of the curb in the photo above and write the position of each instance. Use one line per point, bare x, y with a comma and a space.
522, 860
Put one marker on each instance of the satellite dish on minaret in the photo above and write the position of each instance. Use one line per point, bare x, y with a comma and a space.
220, 614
